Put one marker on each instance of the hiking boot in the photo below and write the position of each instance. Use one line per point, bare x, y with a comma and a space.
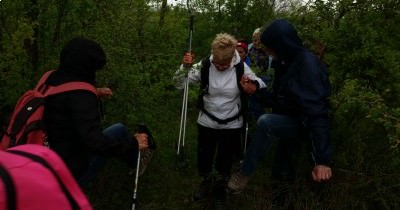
220, 204
220, 194
237, 183
203, 189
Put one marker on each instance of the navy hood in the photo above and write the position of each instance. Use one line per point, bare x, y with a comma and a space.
282, 38
79, 61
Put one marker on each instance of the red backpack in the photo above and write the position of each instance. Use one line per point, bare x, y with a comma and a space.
26, 125
34, 177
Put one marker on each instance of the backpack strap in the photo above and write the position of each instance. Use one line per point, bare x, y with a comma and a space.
204, 80
205, 73
239, 73
43, 162
70, 86
23, 115
43, 79
205, 77
9, 186
243, 96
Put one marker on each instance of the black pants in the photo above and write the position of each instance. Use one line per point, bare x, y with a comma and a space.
219, 143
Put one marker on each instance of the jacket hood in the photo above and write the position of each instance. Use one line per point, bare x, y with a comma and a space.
235, 59
282, 38
80, 59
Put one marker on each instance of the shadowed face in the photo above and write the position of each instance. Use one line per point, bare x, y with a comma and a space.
222, 64
272, 53
256, 41
242, 52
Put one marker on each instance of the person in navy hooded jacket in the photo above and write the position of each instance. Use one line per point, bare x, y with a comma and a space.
299, 102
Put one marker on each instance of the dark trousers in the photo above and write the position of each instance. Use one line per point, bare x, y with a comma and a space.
219, 143
115, 132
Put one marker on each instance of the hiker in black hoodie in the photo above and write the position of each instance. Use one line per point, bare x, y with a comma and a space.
72, 118
299, 102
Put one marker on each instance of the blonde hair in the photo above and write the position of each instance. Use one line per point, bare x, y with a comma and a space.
223, 47
257, 31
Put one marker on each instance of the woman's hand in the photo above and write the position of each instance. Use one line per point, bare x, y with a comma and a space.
188, 59
248, 85
142, 139
321, 173
104, 92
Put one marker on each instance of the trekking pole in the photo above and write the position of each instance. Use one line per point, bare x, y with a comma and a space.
245, 139
136, 182
246, 118
182, 130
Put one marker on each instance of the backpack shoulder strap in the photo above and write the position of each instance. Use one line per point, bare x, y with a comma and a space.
205, 72
56, 172
204, 81
243, 96
205, 69
43, 79
9, 188
239, 73
70, 86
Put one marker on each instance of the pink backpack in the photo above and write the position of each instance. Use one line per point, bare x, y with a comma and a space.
34, 177
26, 125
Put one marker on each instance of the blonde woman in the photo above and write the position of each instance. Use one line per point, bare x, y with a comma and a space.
220, 118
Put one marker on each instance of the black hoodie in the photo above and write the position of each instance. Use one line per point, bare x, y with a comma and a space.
72, 119
301, 86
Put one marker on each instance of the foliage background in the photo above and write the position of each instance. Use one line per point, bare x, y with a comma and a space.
144, 41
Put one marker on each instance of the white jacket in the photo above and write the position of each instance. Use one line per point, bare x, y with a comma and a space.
223, 98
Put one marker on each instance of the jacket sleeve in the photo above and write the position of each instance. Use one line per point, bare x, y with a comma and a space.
248, 72
265, 97
311, 90
86, 118
180, 75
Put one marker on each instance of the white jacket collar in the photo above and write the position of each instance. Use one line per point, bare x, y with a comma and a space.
235, 59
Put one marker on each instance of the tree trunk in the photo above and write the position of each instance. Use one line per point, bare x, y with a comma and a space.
61, 14
31, 44
163, 10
